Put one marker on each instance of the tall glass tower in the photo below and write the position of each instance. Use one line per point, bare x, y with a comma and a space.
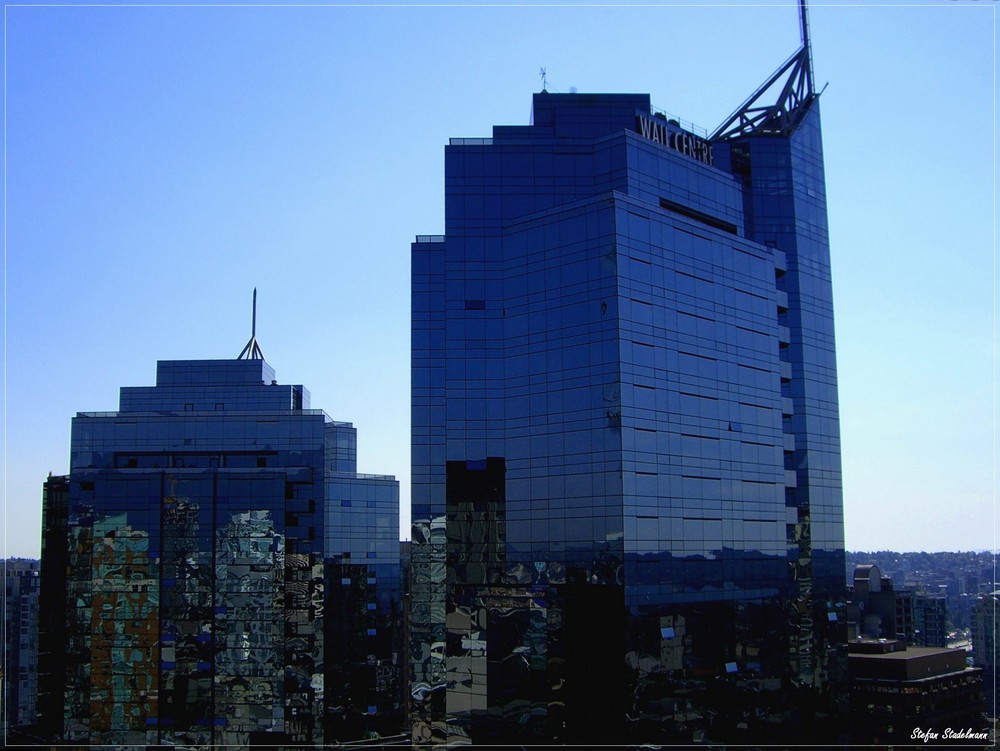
222, 574
627, 515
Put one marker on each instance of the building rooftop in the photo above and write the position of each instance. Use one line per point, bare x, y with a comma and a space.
906, 664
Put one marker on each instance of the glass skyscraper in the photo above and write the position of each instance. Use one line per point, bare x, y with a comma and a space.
226, 576
627, 515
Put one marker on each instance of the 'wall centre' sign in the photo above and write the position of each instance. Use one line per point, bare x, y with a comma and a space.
686, 143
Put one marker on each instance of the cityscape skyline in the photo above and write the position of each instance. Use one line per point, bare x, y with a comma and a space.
138, 110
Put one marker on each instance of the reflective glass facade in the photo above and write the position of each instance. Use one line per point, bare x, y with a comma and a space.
203, 526
626, 494
20, 618
363, 626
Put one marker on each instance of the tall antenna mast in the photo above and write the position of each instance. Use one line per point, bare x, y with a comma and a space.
806, 43
252, 350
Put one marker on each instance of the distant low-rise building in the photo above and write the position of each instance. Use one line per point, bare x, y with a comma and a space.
930, 619
879, 610
897, 692
984, 630
958, 577
876, 609
984, 641
905, 618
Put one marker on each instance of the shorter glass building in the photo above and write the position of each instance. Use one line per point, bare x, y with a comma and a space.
20, 619
363, 626
202, 546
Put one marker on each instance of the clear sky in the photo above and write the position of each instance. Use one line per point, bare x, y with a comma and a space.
162, 161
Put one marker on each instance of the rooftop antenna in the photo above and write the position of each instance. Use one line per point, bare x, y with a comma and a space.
804, 20
807, 43
544, 80
252, 350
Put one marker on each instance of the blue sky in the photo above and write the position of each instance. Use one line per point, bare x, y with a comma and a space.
161, 161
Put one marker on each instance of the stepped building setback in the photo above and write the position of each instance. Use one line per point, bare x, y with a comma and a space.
626, 461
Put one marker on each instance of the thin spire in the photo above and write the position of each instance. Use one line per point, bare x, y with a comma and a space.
806, 42
804, 20
252, 350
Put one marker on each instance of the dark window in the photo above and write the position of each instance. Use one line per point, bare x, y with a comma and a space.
698, 216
